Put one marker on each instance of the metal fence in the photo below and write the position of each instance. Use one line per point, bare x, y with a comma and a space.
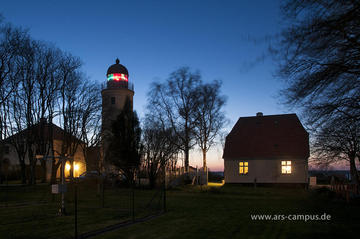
91, 207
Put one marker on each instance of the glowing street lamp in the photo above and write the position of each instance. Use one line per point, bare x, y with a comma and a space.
76, 169
67, 166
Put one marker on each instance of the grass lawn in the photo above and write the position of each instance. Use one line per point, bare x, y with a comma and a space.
31, 211
193, 212
225, 213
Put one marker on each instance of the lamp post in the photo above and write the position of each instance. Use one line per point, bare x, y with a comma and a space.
62, 172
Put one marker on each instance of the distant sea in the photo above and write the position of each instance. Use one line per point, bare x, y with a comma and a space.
346, 173
220, 173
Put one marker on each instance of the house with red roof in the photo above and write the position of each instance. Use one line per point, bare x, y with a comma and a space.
270, 149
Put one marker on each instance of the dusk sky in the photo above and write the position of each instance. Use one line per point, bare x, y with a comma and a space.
154, 38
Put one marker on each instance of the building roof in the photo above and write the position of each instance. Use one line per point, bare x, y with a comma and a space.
117, 68
270, 136
45, 131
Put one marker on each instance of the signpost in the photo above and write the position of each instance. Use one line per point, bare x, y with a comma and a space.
58, 188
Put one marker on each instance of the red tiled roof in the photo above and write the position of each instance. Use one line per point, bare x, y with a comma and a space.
268, 136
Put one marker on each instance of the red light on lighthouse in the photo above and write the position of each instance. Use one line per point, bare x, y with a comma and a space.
117, 77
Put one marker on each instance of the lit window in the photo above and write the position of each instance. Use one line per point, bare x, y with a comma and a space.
243, 167
67, 166
285, 167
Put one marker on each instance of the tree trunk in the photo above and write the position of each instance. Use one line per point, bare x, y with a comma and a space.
32, 164
32, 180
71, 169
186, 152
204, 160
23, 172
43, 173
54, 169
152, 181
353, 170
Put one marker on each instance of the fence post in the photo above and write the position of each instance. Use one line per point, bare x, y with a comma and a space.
132, 201
62, 172
164, 205
6, 194
75, 200
103, 193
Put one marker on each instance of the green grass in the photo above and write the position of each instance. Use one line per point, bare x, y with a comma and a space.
193, 212
225, 213
31, 212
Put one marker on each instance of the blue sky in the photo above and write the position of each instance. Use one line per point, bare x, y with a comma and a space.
154, 38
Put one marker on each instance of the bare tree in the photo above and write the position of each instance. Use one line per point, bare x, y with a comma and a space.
70, 108
78, 111
159, 149
37, 92
90, 116
12, 41
175, 103
339, 140
27, 93
12, 46
46, 67
209, 115
319, 60
15, 123
39, 84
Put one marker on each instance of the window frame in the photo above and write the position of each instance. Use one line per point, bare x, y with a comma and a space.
243, 167
286, 167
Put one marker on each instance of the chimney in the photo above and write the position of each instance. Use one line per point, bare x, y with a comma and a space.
259, 114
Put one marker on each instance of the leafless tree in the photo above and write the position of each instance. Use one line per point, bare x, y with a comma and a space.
15, 124
37, 92
12, 41
159, 149
175, 103
46, 70
209, 115
40, 84
319, 60
90, 115
339, 140
27, 93
77, 110
69, 108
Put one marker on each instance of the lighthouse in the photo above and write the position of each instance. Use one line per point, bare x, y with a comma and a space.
118, 89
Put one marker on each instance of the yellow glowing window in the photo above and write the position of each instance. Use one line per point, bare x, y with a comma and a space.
243, 167
285, 167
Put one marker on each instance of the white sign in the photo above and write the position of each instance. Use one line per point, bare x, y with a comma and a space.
58, 188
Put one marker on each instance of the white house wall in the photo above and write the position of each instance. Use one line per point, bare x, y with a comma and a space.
266, 171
